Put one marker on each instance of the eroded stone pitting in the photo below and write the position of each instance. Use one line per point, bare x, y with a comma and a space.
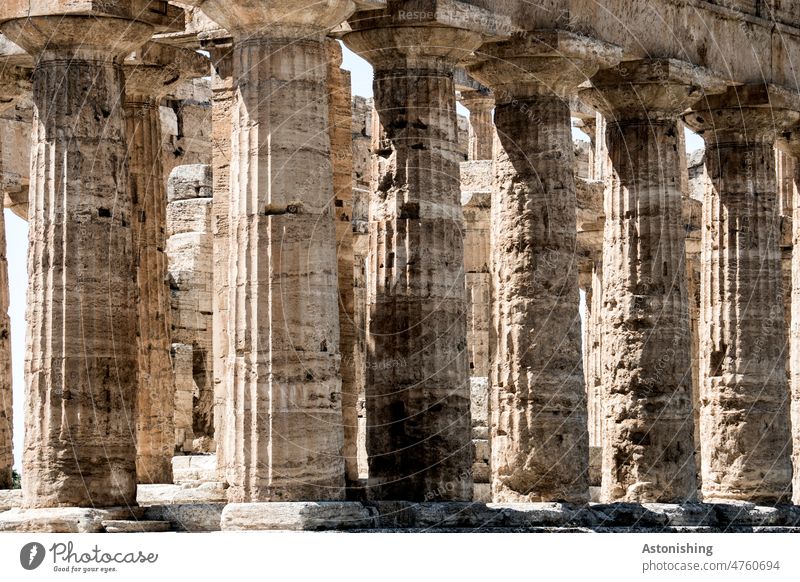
378, 301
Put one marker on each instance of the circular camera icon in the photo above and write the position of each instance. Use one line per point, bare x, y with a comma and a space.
32, 555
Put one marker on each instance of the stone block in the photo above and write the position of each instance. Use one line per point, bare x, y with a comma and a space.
298, 516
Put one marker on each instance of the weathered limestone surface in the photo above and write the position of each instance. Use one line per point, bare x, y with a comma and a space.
61, 519
539, 435
13, 82
296, 516
365, 124
222, 116
417, 385
186, 121
340, 127
81, 362
481, 128
151, 72
283, 425
15, 152
793, 146
477, 178
190, 253
744, 397
648, 447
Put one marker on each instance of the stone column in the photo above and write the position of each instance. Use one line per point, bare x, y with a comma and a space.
285, 389
81, 362
792, 144
539, 437
150, 74
481, 126
417, 387
340, 127
648, 448
744, 416
13, 81
222, 86
6, 394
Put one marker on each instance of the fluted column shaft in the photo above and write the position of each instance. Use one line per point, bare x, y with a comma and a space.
417, 387
11, 84
156, 395
648, 447
744, 399
539, 434
283, 308
649, 452
6, 395
223, 95
340, 128
81, 362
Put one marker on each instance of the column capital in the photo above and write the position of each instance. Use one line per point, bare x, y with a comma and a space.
80, 37
650, 89
477, 100
551, 61
276, 18
155, 69
406, 36
747, 113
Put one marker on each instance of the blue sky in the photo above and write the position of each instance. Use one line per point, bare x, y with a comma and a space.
17, 237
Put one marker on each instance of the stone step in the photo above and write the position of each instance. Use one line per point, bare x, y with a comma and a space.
212, 492
194, 468
131, 526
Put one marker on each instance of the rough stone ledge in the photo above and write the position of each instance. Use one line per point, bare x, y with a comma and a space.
10, 498
209, 492
523, 517
64, 519
192, 517
388, 516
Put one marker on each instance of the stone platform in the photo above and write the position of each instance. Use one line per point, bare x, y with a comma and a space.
377, 517
529, 517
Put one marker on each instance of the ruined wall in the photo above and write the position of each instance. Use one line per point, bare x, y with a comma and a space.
190, 252
476, 198
186, 126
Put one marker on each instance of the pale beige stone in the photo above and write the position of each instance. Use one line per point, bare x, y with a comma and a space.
190, 254
151, 72
340, 127
793, 146
648, 444
221, 112
61, 519
481, 129
744, 416
283, 425
81, 361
